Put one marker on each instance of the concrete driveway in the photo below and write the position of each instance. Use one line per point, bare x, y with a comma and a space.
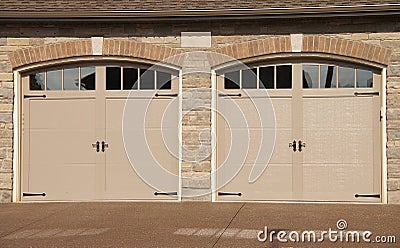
130, 224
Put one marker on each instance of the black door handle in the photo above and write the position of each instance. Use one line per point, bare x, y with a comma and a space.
293, 145
104, 145
301, 145
97, 146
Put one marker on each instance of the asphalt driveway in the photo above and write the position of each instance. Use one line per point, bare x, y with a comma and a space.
130, 224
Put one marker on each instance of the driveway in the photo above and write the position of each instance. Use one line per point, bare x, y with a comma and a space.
193, 224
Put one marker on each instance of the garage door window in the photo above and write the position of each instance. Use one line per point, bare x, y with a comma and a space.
79, 78
136, 79
264, 77
331, 76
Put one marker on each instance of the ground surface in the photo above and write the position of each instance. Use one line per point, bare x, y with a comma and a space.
187, 224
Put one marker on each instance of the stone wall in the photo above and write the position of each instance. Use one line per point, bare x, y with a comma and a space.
381, 31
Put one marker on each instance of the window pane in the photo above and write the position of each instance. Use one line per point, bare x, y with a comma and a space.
284, 77
232, 80
163, 80
88, 78
71, 79
113, 78
328, 76
146, 79
54, 80
36, 81
346, 77
130, 78
364, 78
310, 76
249, 79
267, 77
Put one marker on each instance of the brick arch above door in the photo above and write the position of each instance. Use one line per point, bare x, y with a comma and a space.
268, 46
94, 47
307, 44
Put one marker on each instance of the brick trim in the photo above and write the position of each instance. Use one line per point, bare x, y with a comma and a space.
157, 53
83, 47
142, 50
49, 52
310, 44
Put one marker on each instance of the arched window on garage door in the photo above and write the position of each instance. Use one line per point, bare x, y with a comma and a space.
327, 127
314, 75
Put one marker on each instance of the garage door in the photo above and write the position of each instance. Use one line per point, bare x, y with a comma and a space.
73, 140
326, 133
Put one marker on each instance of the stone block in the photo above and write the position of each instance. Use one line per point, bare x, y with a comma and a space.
393, 153
5, 133
393, 71
393, 184
4, 142
394, 197
393, 170
3, 152
6, 77
203, 182
18, 41
359, 36
6, 165
6, 180
393, 114
5, 117
384, 36
6, 108
8, 89
5, 195
204, 166
189, 194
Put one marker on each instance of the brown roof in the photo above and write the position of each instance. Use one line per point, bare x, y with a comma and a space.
174, 7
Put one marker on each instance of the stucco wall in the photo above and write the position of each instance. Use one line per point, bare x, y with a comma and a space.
382, 31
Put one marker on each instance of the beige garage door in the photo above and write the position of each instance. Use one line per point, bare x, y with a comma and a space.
73, 140
327, 142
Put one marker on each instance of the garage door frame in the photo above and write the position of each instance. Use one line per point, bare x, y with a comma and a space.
299, 57
18, 99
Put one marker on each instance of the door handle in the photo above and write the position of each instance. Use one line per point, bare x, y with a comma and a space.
104, 145
301, 145
293, 145
97, 146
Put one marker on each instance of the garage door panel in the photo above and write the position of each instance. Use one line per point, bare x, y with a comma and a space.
68, 114
337, 181
282, 152
71, 146
251, 112
340, 112
274, 184
147, 112
63, 181
122, 182
153, 152
324, 145
146, 143
162, 113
